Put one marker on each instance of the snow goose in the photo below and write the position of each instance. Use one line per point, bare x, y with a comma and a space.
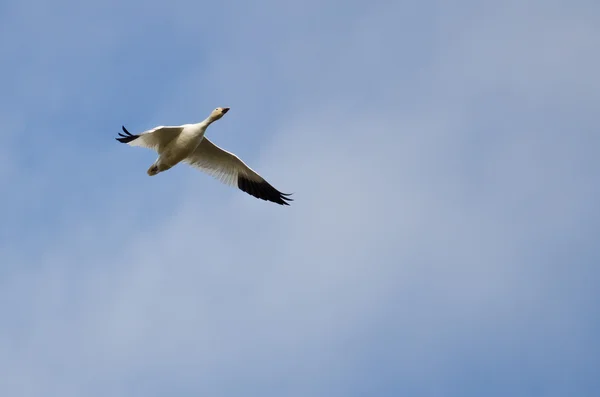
187, 143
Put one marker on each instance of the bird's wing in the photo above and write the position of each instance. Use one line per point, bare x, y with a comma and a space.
231, 170
155, 138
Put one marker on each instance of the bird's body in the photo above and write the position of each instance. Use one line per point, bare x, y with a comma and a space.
180, 147
187, 143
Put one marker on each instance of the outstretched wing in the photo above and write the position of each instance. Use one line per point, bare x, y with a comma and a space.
229, 169
154, 139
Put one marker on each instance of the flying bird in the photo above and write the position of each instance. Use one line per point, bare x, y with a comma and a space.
187, 143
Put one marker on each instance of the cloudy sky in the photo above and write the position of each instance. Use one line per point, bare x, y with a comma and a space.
443, 241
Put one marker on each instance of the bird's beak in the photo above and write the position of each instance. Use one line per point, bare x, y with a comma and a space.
225, 110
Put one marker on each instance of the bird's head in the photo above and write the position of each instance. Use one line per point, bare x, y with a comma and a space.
218, 113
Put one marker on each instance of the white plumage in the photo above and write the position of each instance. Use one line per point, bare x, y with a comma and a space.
187, 143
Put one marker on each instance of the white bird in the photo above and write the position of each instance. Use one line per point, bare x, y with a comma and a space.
187, 143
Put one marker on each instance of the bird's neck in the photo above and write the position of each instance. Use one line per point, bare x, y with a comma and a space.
203, 125
206, 122
198, 129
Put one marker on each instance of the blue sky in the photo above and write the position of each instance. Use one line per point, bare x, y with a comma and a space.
443, 240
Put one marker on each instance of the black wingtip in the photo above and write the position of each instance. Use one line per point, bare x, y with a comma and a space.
128, 137
264, 191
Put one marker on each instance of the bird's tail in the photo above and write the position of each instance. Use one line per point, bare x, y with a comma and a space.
158, 167
153, 170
